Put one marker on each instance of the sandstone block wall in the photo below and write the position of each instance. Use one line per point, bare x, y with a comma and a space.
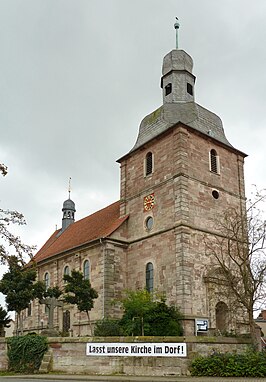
69, 355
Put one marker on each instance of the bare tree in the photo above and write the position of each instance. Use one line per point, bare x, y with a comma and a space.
8, 239
238, 257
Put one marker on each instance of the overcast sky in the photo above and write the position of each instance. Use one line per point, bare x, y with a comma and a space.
78, 76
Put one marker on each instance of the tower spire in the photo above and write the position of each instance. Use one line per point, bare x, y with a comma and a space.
176, 25
69, 187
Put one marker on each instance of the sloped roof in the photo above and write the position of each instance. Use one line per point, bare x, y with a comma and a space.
98, 225
188, 113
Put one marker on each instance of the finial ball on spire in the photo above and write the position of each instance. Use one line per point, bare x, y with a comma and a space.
177, 25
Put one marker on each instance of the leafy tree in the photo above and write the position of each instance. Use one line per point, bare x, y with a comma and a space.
144, 315
238, 257
7, 218
42, 292
19, 286
79, 292
136, 306
4, 320
164, 320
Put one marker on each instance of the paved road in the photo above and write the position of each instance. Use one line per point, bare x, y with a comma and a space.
90, 378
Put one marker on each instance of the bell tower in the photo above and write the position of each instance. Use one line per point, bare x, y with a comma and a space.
179, 176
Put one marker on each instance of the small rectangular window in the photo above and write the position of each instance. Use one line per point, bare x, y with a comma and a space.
189, 89
168, 89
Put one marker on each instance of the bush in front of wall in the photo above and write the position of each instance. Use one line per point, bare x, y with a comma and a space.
25, 353
248, 364
108, 327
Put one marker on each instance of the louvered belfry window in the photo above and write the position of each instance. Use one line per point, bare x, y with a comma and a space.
149, 164
214, 161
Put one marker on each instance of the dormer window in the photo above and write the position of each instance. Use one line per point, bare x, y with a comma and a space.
214, 162
148, 164
168, 89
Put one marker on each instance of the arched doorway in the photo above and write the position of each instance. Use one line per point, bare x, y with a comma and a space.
221, 312
66, 321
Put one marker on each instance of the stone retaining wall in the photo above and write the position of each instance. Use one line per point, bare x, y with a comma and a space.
69, 355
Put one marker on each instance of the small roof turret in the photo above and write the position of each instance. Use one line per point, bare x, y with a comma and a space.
68, 210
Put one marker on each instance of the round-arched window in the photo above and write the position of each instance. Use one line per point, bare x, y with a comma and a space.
46, 280
86, 270
149, 277
148, 164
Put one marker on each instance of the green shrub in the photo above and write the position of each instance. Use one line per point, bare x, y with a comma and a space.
148, 314
248, 364
25, 353
108, 328
163, 320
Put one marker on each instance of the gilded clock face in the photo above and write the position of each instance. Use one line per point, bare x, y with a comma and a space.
148, 202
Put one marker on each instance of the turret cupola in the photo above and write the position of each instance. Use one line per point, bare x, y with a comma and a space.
179, 106
177, 79
68, 211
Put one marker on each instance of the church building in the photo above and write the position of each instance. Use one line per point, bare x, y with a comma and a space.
180, 174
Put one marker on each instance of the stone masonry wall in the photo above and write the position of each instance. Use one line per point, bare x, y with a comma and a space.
69, 356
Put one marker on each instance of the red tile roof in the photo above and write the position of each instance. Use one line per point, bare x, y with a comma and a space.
98, 225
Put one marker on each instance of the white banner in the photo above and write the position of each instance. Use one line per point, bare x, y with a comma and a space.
133, 349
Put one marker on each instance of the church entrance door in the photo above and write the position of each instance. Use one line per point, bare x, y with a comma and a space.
66, 321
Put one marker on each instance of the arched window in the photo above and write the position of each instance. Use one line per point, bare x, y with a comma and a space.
29, 310
46, 280
148, 164
66, 272
86, 270
214, 162
149, 277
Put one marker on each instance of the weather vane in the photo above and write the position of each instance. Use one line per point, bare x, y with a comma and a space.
69, 186
176, 25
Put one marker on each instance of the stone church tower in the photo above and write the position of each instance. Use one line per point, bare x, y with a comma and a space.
181, 173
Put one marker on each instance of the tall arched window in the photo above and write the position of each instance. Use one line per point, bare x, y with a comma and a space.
66, 272
214, 162
148, 164
86, 270
46, 280
149, 277
29, 310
